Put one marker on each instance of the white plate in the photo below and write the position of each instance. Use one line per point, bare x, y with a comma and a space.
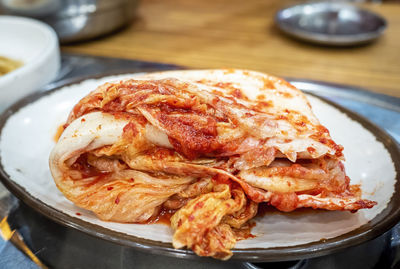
27, 137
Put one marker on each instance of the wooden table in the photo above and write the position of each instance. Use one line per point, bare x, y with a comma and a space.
242, 34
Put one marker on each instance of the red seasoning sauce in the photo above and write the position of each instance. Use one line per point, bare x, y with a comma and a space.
191, 134
58, 133
245, 232
163, 217
85, 168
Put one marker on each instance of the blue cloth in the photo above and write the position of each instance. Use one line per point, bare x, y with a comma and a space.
13, 258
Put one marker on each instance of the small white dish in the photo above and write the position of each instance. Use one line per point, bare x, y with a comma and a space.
33, 43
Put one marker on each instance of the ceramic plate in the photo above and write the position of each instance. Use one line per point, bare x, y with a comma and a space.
372, 160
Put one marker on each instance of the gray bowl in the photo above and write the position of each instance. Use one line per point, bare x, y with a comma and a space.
75, 20
328, 23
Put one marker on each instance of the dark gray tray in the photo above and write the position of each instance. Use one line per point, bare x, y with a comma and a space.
76, 249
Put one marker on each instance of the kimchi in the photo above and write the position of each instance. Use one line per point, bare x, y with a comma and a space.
208, 147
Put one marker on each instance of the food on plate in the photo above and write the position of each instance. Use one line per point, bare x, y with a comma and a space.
7, 65
204, 148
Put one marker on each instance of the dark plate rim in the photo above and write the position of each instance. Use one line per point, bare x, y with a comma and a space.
377, 226
327, 39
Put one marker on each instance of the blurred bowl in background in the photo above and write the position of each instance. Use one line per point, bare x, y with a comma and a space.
33, 43
330, 23
75, 20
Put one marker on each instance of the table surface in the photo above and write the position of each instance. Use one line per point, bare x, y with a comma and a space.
242, 34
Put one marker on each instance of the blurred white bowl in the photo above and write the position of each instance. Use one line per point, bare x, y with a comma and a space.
36, 45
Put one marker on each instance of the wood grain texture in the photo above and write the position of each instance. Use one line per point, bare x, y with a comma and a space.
242, 34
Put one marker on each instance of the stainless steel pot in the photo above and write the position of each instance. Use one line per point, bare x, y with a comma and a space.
75, 20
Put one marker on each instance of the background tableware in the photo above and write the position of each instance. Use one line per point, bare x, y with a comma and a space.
75, 20
330, 23
36, 45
